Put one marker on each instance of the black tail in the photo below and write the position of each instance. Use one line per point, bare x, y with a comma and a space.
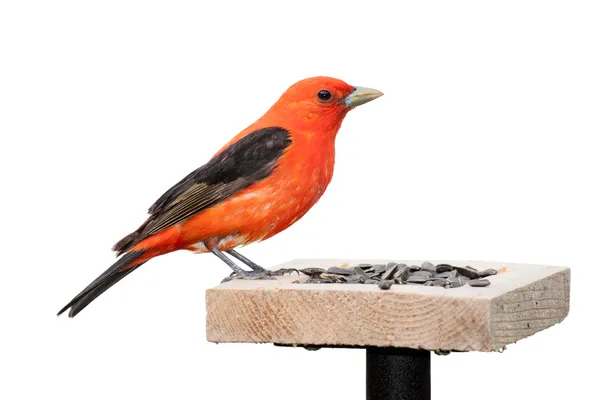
102, 283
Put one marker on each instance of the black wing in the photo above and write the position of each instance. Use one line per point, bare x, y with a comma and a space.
247, 161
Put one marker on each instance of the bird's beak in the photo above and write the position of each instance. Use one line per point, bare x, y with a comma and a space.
361, 95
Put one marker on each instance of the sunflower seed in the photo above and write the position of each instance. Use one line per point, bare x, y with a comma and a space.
428, 283
414, 268
390, 271
283, 271
438, 282
488, 272
424, 273
380, 268
443, 268
468, 272
340, 271
403, 273
479, 282
312, 271
371, 282
360, 272
365, 266
355, 279
417, 279
386, 284
444, 274
452, 282
428, 266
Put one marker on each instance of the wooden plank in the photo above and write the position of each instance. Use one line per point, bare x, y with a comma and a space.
521, 300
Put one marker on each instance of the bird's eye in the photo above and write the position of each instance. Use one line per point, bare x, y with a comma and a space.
324, 95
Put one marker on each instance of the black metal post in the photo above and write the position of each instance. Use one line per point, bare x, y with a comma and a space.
398, 374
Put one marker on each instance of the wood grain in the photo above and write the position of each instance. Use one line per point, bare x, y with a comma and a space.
521, 300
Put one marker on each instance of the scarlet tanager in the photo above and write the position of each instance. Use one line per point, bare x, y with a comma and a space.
261, 182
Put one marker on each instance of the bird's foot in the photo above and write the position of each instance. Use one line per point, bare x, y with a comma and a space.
259, 275
283, 271
249, 275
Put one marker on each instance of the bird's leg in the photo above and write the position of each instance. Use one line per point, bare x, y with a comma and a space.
227, 261
254, 266
258, 268
238, 272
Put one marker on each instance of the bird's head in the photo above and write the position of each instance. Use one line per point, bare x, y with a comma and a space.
320, 102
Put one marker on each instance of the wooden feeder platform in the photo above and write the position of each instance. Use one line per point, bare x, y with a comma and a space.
398, 326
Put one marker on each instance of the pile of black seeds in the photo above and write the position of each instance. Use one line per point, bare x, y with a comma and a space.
443, 275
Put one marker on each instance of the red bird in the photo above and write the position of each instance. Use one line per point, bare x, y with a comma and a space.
261, 182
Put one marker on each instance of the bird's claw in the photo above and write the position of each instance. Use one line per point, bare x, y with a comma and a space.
260, 275
254, 275
283, 271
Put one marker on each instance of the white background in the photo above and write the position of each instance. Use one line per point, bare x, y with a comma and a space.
483, 147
